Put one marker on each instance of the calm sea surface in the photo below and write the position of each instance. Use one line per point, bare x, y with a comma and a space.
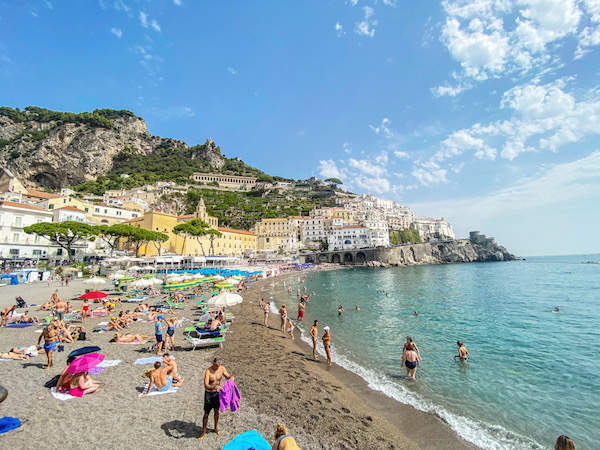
532, 374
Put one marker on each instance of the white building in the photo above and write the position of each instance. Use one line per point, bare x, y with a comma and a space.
69, 214
434, 229
14, 242
355, 237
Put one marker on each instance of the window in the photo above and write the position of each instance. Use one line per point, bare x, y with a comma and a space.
86, 209
50, 206
18, 221
14, 251
96, 209
37, 252
15, 237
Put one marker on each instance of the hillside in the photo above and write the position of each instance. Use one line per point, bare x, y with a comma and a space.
52, 149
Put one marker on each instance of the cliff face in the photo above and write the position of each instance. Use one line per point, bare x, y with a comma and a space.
462, 250
53, 155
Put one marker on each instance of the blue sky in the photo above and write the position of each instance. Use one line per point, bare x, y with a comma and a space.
484, 112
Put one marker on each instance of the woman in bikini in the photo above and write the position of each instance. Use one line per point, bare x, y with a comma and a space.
283, 314
266, 310
84, 310
327, 344
171, 322
411, 346
129, 338
82, 384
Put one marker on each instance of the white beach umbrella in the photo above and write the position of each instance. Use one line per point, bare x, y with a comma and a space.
141, 283
134, 268
225, 299
95, 281
155, 280
116, 275
232, 280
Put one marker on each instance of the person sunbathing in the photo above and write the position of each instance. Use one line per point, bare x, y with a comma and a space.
64, 333
26, 318
46, 306
30, 351
69, 308
113, 325
121, 338
82, 384
12, 355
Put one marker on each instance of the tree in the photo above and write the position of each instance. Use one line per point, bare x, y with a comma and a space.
64, 234
113, 234
212, 235
158, 239
266, 178
184, 229
196, 228
140, 237
334, 182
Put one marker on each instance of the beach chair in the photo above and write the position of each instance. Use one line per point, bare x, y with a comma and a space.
209, 342
175, 305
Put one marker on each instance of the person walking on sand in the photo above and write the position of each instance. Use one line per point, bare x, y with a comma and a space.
283, 314
212, 386
327, 344
50, 336
462, 352
158, 332
290, 329
301, 307
411, 360
314, 333
84, 310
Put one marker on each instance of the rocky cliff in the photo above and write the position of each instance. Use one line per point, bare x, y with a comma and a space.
460, 250
52, 150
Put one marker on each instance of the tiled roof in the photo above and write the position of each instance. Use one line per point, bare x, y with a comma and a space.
22, 205
39, 194
231, 230
72, 208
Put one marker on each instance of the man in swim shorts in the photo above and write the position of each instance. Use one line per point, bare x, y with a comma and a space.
301, 307
158, 332
59, 308
172, 368
50, 335
212, 386
160, 378
314, 333
462, 351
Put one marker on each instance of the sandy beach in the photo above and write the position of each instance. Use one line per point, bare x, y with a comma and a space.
323, 407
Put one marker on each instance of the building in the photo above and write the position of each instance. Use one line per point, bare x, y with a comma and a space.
14, 242
429, 228
227, 181
69, 214
275, 235
96, 213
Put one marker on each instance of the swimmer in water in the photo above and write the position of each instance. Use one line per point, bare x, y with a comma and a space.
556, 309
462, 351
416, 313
357, 308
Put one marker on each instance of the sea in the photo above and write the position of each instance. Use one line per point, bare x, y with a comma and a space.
532, 373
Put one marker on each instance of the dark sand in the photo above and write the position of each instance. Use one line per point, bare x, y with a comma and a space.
324, 408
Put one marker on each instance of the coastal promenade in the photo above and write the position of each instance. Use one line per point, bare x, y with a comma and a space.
323, 408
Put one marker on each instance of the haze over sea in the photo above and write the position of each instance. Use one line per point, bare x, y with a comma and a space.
532, 374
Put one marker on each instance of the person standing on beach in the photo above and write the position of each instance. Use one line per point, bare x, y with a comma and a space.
84, 310
327, 344
6, 313
212, 386
411, 360
50, 336
314, 332
301, 307
462, 351
283, 314
266, 310
59, 309
290, 328
158, 332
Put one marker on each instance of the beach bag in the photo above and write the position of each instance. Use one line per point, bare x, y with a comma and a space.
81, 336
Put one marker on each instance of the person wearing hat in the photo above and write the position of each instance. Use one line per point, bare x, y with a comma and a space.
327, 344
158, 332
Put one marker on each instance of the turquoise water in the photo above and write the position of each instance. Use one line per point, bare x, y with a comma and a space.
532, 374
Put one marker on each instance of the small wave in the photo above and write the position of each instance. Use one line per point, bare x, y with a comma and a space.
481, 434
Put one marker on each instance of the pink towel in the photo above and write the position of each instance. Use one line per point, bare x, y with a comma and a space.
229, 396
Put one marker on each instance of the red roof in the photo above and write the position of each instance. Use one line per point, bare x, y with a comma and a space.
72, 208
39, 194
22, 205
231, 230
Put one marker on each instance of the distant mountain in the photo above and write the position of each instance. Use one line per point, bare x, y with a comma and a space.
53, 149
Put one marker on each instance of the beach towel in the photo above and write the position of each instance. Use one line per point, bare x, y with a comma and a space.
154, 391
96, 370
103, 366
9, 423
229, 396
59, 396
19, 325
5, 360
249, 439
101, 324
149, 360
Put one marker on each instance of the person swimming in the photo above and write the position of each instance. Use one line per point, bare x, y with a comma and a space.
462, 351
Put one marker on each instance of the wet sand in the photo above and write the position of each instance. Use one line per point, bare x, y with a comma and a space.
323, 407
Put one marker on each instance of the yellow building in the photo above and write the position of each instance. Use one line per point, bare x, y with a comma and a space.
276, 235
231, 243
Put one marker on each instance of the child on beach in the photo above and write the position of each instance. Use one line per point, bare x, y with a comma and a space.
290, 329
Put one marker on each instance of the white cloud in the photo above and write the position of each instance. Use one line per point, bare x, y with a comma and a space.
373, 185
589, 37
367, 26
232, 71
339, 29
48, 4
390, 3
154, 25
102, 4
382, 158
383, 129
177, 2
401, 155
450, 91
120, 6
117, 32
430, 176
143, 19
329, 169
173, 112
367, 167
347, 148
353, 2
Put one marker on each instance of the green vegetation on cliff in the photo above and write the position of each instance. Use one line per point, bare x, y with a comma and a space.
102, 118
405, 236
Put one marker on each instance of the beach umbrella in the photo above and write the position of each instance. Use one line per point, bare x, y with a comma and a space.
95, 281
85, 362
225, 299
117, 274
231, 281
84, 351
154, 280
93, 295
141, 283
134, 268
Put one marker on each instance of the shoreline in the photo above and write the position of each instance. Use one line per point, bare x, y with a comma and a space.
426, 430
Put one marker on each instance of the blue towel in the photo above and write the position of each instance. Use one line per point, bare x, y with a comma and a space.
249, 439
9, 423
